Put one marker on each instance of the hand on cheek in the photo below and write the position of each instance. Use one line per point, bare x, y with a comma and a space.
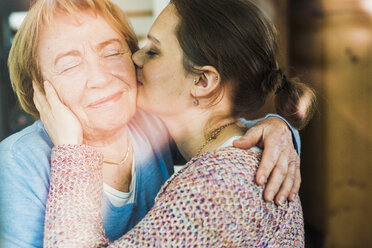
60, 123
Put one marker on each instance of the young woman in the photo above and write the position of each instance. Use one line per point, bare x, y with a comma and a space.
206, 63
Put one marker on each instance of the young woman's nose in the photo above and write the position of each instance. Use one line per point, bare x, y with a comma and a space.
137, 58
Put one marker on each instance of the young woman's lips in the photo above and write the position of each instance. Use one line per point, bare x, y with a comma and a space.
106, 101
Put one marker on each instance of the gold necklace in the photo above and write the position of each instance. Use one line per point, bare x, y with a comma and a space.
213, 136
126, 155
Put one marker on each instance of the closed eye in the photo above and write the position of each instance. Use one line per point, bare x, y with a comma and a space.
113, 54
69, 68
151, 53
69, 63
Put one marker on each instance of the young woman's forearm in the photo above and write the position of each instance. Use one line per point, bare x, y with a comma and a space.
73, 214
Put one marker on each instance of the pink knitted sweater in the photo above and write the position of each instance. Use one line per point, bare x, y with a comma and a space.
213, 201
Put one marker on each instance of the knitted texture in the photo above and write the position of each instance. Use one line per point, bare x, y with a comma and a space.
213, 201
73, 215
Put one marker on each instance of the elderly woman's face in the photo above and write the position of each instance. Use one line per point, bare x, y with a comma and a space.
91, 69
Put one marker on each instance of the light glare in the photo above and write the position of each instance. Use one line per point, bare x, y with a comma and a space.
367, 5
16, 19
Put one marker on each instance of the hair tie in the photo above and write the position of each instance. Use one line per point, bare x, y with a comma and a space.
282, 85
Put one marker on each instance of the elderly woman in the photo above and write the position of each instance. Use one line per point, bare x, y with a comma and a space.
84, 48
214, 201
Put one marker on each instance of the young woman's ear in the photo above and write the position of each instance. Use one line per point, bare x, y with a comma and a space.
207, 83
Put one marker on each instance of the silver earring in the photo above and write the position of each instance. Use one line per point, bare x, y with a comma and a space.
195, 101
217, 78
195, 80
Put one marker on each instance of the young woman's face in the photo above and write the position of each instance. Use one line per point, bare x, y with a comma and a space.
90, 66
164, 88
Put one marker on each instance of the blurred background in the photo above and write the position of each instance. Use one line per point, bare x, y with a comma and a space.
328, 44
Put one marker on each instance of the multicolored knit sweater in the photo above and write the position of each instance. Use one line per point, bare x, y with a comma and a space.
213, 201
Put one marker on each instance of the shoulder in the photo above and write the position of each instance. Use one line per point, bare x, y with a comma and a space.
146, 121
229, 160
149, 125
148, 134
233, 155
228, 167
151, 144
31, 136
31, 145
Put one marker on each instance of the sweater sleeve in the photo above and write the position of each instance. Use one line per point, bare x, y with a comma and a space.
73, 215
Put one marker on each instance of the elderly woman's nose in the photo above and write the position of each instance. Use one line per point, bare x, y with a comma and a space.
98, 75
137, 58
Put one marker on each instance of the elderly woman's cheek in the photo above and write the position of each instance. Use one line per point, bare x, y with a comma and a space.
123, 69
69, 86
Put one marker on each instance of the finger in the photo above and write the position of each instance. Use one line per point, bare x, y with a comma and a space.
51, 95
276, 178
287, 185
269, 159
276, 146
250, 138
297, 182
39, 98
35, 98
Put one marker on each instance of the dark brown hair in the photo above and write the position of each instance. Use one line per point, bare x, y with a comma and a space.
238, 39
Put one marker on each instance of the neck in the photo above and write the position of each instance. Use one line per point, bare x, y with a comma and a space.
112, 144
191, 132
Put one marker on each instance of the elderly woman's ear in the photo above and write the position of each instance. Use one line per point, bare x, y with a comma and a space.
60, 123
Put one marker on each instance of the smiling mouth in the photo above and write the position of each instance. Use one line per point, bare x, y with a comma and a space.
106, 101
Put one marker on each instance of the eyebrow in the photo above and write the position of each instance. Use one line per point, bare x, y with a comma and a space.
108, 42
150, 37
70, 53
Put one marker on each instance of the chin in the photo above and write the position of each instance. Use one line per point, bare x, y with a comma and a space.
102, 131
109, 123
